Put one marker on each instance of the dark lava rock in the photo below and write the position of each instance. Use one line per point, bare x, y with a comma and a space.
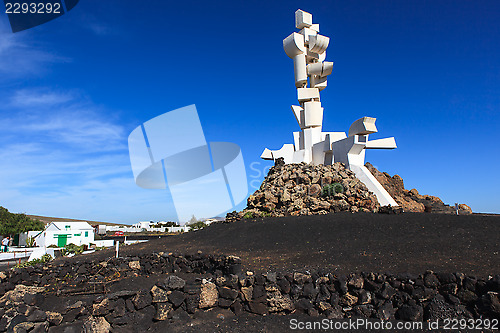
40, 327
259, 293
237, 308
365, 310
142, 299
180, 315
37, 316
225, 303
122, 293
410, 313
228, 293
387, 291
334, 313
176, 298
71, 315
284, 285
309, 291
74, 327
445, 278
304, 305
431, 280
174, 282
438, 309
33, 299
491, 303
16, 320
386, 311
258, 308
192, 302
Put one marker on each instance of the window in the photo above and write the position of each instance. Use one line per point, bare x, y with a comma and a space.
86, 234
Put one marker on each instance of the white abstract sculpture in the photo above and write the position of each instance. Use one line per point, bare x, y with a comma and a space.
311, 145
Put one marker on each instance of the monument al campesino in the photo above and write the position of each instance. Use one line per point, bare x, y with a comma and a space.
170, 151
307, 48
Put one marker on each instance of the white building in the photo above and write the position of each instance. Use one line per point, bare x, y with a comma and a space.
62, 233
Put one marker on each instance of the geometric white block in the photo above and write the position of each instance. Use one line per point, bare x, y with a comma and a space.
318, 44
363, 174
306, 32
363, 126
298, 143
320, 68
318, 153
294, 45
286, 151
300, 70
313, 114
315, 69
314, 27
302, 19
327, 68
311, 56
318, 82
305, 94
386, 143
299, 114
312, 135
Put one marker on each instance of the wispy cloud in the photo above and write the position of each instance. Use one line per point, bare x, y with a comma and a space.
20, 55
36, 98
62, 155
62, 118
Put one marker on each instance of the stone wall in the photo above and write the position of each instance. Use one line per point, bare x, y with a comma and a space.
190, 284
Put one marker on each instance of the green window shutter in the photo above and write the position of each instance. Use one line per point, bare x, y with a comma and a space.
86, 234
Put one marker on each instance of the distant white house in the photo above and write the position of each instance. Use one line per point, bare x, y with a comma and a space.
147, 226
210, 221
62, 233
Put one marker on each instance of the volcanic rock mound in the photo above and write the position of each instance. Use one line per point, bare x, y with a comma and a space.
297, 189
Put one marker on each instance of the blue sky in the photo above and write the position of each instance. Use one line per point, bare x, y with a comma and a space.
72, 90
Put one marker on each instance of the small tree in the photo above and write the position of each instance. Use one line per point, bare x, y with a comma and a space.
11, 224
197, 225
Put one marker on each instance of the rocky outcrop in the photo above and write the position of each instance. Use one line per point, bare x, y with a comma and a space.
411, 200
299, 189
302, 189
211, 282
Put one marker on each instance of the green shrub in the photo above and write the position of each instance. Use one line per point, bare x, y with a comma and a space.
45, 258
265, 214
72, 248
248, 215
332, 189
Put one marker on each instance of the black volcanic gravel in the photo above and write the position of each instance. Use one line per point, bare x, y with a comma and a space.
343, 243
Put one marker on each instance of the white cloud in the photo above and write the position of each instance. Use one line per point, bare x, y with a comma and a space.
62, 118
33, 98
64, 156
20, 55
61, 155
